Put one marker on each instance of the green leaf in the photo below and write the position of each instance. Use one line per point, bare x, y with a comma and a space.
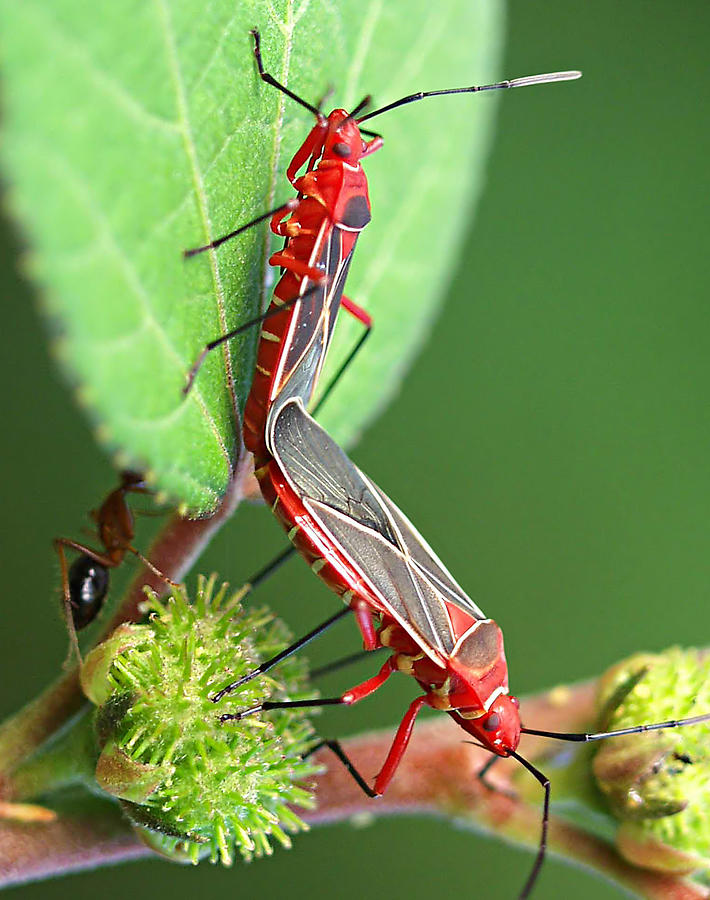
136, 129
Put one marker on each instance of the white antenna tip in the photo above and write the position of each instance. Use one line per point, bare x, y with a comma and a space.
572, 75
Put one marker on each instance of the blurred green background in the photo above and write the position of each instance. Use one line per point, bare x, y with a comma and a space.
551, 442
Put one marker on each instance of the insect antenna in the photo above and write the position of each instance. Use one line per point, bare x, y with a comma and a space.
474, 89
581, 737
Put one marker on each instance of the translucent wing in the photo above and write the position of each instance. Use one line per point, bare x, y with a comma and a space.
380, 543
313, 318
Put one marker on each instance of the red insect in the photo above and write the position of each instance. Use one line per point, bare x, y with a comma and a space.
404, 599
321, 227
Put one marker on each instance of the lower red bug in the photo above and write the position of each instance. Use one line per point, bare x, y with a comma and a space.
404, 599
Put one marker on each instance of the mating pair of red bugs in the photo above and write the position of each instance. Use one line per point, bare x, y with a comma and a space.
350, 532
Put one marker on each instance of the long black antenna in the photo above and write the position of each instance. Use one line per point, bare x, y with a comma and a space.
474, 89
583, 738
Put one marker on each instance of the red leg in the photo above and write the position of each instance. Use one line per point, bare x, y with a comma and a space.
313, 142
399, 745
363, 616
297, 266
357, 312
372, 146
360, 691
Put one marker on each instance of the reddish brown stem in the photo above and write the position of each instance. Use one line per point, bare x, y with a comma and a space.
437, 776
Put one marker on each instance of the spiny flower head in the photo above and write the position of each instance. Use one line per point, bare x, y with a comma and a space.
192, 786
658, 783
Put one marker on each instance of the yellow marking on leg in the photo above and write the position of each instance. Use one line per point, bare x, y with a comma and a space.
270, 336
293, 532
318, 565
263, 371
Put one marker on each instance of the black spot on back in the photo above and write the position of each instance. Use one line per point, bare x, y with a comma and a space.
357, 213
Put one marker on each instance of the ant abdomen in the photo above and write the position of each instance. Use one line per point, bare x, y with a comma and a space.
88, 586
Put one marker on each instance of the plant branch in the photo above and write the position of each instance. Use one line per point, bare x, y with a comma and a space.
437, 777
173, 551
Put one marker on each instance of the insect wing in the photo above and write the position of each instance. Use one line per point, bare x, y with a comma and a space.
313, 318
398, 566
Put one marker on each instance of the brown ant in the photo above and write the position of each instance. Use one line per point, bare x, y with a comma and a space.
85, 583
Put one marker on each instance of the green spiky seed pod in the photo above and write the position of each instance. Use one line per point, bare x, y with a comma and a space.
191, 786
657, 784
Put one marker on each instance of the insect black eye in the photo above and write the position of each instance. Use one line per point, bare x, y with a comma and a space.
341, 149
492, 722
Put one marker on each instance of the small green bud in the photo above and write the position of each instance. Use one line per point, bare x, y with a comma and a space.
192, 786
657, 783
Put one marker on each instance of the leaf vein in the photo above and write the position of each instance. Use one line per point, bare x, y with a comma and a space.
191, 152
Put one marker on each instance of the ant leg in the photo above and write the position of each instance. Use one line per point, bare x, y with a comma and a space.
59, 544
154, 569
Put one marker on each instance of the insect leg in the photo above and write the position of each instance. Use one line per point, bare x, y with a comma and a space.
154, 569
354, 695
336, 748
343, 662
399, 745
542, 847
59, 544
257, 320
289, 651
366, 320
282, 208
269, 79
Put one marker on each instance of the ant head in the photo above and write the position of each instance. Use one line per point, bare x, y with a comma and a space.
343, 140
499, 729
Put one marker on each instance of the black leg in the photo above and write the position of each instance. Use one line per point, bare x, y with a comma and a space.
482, 773
275, 660
344, 662
269, 79
345, 760
269, 569
341, 371
268, 705
257, 320
482, 776
542, 847
291, 204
